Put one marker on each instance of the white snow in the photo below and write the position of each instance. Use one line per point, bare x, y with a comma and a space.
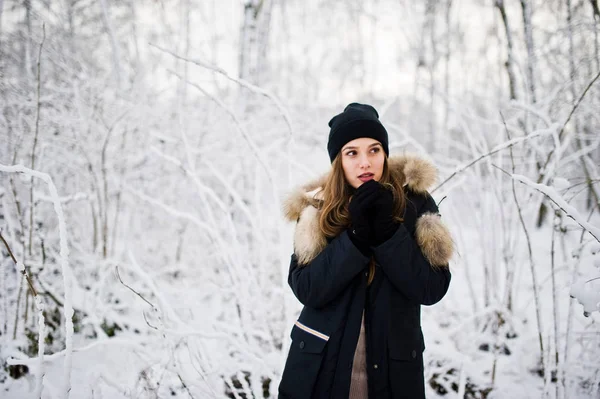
587, 295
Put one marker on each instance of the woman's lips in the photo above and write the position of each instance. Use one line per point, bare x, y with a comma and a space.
366, 177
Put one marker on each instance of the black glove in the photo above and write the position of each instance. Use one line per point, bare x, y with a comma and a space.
383, 225
359, 208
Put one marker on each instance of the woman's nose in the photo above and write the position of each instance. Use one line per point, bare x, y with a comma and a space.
364, 162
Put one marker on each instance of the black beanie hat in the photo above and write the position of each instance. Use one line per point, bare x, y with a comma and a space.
357, 120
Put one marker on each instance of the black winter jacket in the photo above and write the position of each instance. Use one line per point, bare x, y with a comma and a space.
330, 280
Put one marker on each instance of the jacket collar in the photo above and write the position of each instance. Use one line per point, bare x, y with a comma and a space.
418, 174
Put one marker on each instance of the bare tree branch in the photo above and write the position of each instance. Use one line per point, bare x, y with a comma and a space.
494, 150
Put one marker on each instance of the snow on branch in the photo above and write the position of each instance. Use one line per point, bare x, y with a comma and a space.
553, 196
64, 263
139, 347
586, 296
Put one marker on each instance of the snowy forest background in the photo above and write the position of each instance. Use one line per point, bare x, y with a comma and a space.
146, 147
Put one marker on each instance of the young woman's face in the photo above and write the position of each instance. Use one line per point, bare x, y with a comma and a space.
362, 160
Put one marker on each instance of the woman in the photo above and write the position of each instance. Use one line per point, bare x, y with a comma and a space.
369, 249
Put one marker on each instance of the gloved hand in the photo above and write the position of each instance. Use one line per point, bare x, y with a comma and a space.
360, 207
382, 223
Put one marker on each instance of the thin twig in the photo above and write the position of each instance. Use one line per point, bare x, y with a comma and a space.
132, 290
51, 295
443, 198
18, 309
35, 137
510, 273
8, 248
148, 323
531, 261
185, 386
24, 271
557, 215
141, 296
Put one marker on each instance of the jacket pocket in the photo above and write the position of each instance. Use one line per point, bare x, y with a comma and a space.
406, 377
303, 362
314, 340
408, 345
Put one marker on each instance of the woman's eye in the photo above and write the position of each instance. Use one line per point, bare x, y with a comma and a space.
375, 150
351, 153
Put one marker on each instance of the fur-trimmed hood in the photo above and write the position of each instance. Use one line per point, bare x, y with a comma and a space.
419, 175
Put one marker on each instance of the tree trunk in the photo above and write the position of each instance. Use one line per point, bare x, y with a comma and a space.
595, 9
264, 27
71, 19
113, 42
526, 9
1, 9
214, 44
248, 50
356, 10
247, 65
254, 41
185, 21
1, 52
134, 34
444, 149
27, 44
571, 50
433, 131
512, 82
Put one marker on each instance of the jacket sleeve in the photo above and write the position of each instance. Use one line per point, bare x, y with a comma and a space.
402, 260
321, 280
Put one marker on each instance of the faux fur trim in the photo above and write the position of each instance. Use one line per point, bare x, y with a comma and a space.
433, 237
308, 239
419, 174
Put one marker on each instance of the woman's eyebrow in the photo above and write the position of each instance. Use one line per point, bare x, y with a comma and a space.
354, 148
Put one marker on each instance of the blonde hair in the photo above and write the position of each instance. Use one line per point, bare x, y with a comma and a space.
334, 216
